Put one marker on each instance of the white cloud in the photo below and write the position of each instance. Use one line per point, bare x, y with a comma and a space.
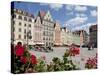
54, 6
80, 8
69, 7
43, 3
84, 26
93, 13
77, 20
70, 13
80, 15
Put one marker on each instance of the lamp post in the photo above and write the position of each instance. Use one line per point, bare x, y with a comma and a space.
28, 35
81, 39
81, 43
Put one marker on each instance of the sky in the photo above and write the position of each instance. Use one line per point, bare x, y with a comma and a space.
74, 17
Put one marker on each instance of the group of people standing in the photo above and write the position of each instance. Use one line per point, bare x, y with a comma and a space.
91, 47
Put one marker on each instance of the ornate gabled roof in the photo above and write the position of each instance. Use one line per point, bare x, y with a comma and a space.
41, 14
35, 19
56, 24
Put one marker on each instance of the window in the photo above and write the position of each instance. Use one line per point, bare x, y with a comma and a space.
13, 29
49, 43
20, 23
13, 22
14, 16
30, 20
29, 31
44, 38
19, 29
24, 36
49, 38
29, 25
46, 43
25, 25
24, 30
19, 36
43, 33
25, 18
20, 17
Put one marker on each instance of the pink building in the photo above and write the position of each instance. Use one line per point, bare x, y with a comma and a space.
57, 35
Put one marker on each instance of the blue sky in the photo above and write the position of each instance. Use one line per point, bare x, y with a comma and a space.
75, 17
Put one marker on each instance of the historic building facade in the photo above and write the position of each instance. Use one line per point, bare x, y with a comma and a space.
80, 37
42, 30
93, 35
57, 34
38, 31
66, 36
69, 37
63, 36
22, 27
76, 37
48, 28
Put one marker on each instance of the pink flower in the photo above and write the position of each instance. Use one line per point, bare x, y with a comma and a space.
92, 62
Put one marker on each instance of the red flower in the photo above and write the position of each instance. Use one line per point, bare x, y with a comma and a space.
74, 51
19, 51
33, 59
23, 60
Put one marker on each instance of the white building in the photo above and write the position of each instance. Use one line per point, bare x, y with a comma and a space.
22, 24
38, 31
48, 28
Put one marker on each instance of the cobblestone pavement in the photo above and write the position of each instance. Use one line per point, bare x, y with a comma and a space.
79, 60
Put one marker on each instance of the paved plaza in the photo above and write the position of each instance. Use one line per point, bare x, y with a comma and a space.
79, 60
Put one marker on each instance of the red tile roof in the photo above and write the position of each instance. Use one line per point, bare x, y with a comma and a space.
42, 14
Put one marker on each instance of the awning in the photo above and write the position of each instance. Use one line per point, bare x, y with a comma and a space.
39, 43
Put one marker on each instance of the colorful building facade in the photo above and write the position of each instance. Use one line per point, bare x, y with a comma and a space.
48, 28
66, 36
57, 34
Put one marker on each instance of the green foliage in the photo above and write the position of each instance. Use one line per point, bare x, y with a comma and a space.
41, 66
61, 65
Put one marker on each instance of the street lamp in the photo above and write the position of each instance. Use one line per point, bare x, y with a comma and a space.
28, 36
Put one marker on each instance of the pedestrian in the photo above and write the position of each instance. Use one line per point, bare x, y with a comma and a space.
93, 46
19, 49
89, 46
